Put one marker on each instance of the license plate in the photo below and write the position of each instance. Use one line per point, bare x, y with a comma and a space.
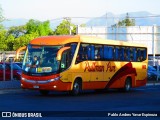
35, 86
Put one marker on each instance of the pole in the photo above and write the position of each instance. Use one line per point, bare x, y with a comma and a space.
4, 67
153, 43
11, 69
106, 27
69, 27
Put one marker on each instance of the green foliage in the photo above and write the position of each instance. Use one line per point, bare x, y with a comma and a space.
64, 28
126, 22
41, 28
1, 16
17, 31
3, 46
23, 40
10, 39
18, 36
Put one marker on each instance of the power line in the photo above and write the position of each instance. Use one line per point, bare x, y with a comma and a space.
104, 17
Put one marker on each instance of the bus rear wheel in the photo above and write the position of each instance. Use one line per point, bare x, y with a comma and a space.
44, 92
127, 85
76, 88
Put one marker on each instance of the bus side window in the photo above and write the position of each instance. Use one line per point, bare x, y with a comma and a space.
92, 52
116, 53
88, 51
83, 53
105, 52
73, 48
101, 53
79, 55
108, 52
98, 52
144, 53
134, 54
128, 54
66, 61
131, 54
138, 55
121, 52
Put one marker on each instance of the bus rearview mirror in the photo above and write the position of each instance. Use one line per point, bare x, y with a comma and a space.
59, 54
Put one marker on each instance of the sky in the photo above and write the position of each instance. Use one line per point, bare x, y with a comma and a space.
52, 9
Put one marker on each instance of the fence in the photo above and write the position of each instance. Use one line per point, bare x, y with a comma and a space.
10, 72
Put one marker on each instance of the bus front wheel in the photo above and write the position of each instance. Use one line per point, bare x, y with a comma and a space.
76, 88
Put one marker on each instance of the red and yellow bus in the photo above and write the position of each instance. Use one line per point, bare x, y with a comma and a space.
75, 63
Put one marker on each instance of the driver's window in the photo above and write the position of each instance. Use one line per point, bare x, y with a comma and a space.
66, 60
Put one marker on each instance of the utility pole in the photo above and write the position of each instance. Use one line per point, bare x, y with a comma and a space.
106, 27
153, 43
69, 27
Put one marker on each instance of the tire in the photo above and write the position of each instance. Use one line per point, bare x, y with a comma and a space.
44, 92
127, 85
15, 78
76, 88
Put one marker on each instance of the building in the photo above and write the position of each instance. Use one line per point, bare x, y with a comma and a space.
148, 35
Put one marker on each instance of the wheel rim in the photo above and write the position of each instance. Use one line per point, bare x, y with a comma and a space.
76, 88
128, 86
15, 78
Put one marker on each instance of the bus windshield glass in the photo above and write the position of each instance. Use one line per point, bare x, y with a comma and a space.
41, 60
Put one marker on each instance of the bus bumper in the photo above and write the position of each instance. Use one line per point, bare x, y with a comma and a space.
57, 85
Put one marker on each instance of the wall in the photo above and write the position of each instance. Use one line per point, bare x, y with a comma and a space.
148, 35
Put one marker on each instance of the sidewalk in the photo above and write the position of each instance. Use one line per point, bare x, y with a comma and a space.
10, 84
16, 84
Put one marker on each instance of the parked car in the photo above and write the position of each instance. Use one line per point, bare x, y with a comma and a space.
17, 71
152, 73
156, 67
19, 64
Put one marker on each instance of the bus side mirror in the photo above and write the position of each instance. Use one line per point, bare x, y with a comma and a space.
59, 54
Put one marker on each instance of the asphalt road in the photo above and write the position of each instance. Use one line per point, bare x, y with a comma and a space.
138, 100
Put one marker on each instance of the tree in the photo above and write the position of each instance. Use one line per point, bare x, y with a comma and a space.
10, 40
17, 31
41, 28
1, 19
23, 40
3, 45
64, 28
126, 22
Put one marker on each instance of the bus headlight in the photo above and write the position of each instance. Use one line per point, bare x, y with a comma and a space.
24, 78
54, 79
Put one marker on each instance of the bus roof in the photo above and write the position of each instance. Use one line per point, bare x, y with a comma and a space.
60, 40
54, 40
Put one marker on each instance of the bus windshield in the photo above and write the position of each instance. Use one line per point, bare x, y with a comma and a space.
41, 60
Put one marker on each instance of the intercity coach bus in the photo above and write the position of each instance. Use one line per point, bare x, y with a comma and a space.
76, 63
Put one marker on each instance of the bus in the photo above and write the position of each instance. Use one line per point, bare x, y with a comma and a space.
76, 63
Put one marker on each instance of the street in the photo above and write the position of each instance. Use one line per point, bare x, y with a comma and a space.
137, 100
